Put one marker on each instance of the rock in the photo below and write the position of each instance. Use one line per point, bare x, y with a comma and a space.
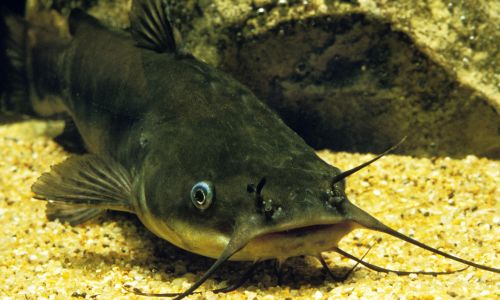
355, 75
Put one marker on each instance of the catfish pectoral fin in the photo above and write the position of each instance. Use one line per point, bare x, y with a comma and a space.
88, 180
73, 214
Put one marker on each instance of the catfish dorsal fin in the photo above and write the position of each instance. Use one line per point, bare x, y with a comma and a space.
150, 25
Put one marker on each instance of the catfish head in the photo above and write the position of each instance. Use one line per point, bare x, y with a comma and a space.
220, 166
275, 212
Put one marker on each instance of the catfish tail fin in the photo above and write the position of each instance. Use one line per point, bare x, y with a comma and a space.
14, 86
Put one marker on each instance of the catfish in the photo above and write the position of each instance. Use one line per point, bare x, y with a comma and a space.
192, 152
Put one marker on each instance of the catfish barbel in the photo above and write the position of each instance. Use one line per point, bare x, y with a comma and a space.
193, 153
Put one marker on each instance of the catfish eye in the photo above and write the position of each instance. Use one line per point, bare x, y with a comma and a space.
202, 194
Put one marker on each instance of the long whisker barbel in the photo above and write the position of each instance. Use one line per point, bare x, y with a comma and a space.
384, 270
347, 173
343, 277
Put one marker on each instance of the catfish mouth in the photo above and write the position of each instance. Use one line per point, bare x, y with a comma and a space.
303, 231
290, 241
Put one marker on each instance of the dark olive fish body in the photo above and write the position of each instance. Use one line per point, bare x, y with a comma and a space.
170, 121
201, 161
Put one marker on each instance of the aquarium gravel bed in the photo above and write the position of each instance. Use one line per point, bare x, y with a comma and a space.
451, 204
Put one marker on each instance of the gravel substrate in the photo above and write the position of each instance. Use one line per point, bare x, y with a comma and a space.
447, 203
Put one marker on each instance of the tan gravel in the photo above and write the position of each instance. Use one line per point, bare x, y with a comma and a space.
447, 203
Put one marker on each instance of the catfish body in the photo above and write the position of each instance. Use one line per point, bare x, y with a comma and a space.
167, 121
202, 162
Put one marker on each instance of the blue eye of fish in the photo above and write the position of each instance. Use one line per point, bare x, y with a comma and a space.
202, 194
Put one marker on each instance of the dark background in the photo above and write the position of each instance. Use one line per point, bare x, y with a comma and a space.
13, 6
